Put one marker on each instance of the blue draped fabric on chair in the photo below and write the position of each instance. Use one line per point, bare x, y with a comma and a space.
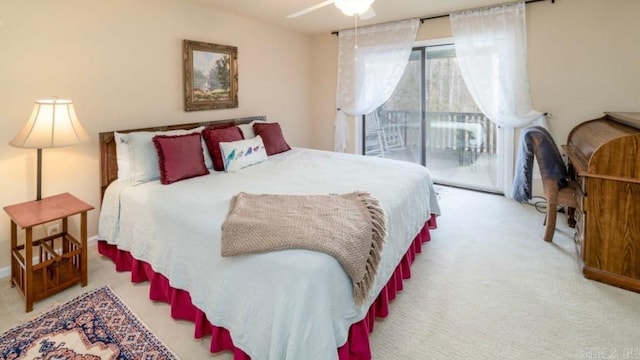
536, 140
558, 190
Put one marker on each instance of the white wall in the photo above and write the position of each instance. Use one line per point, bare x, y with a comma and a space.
120, 62
324, 79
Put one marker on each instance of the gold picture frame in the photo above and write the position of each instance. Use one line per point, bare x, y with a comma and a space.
210, 76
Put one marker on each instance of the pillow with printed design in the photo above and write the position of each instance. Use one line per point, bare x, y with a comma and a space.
238, 155
214, 136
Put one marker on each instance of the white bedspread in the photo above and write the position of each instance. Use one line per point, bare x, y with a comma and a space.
293, 304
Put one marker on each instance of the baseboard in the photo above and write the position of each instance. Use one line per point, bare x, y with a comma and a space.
6, 271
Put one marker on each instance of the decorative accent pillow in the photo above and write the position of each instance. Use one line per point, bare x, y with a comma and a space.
247, 130
213, 138
271, 134
180, 157
143, 157
238, 155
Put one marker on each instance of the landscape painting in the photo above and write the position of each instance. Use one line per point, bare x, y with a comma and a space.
210, 76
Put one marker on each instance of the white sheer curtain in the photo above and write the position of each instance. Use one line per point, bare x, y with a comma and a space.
371, 62
491, 47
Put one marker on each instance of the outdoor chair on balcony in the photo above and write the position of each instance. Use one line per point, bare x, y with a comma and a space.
374, 135
535, 141
459, 132
381, 136
392, 134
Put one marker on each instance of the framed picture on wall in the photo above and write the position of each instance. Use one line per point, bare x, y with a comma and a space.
210, 76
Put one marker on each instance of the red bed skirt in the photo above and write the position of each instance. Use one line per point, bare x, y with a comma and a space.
357, 345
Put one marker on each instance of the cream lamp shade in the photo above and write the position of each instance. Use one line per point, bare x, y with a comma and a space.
53, 123
353, 7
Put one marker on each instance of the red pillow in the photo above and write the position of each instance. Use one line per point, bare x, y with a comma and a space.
180, 157
213, 138
271, 135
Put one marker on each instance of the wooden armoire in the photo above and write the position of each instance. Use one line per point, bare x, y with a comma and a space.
604, 158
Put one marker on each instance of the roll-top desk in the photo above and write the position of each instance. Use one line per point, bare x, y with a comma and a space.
604, 158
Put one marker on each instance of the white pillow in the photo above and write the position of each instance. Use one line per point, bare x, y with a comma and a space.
247, 130
122, 156
143, 157
239, 154
208, 162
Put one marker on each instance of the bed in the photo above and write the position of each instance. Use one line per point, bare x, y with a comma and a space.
291, 304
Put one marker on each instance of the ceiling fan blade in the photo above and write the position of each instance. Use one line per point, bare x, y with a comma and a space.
368, 14
310, 9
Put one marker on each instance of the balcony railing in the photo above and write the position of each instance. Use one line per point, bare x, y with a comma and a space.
444, 130
467, 134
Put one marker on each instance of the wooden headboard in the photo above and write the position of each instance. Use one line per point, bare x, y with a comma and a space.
109, 165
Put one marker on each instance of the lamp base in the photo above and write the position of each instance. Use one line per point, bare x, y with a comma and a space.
39, 178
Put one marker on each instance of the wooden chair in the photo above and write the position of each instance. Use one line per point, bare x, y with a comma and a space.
564, 197
556, 197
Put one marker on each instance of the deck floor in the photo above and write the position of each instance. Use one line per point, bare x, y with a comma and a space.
444, 165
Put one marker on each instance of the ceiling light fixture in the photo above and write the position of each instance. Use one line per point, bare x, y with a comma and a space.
353, 7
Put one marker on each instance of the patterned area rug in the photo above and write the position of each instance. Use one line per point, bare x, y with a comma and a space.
95, 325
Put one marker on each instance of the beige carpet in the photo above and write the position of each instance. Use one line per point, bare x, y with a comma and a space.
485, 287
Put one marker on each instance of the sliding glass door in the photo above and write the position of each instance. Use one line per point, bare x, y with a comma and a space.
431, 119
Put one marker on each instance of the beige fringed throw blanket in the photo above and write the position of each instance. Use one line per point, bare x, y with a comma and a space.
350, 227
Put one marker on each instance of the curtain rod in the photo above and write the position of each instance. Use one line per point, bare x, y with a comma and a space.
422, 20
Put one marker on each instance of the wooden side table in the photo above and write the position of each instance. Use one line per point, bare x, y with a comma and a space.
61, 259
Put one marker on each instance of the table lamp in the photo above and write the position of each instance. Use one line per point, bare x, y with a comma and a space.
53, 123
